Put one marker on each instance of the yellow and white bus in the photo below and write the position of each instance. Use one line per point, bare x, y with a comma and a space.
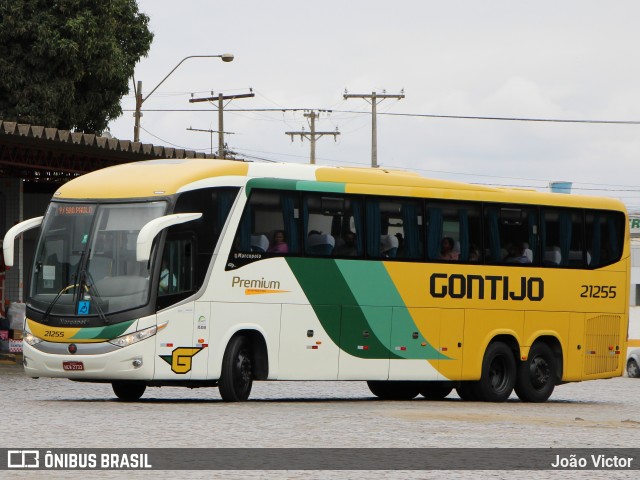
218, 273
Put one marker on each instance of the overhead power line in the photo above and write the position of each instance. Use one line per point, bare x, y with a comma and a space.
418, 115
508, 119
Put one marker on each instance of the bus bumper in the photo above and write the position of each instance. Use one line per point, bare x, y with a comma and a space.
134, 362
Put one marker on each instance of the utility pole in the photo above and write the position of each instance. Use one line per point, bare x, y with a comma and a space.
221, 98
210, 132
374, 98
226, 57
312, 136
138, 113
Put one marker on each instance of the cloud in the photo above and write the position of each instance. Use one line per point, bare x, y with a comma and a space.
570, 59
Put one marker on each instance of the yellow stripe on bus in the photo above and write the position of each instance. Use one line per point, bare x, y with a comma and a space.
262, 291
148, 178
54, 334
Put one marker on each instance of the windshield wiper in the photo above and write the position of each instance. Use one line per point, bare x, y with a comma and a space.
93, 292
47, 312
45, 317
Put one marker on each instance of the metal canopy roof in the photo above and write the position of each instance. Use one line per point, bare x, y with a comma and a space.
41, 154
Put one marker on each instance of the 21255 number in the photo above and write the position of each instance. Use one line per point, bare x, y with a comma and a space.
53, 333
598, 291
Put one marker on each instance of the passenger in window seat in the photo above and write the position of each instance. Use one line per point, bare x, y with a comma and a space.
446, 250
279, 244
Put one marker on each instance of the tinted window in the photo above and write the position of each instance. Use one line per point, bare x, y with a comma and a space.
604, 237
270, 223
561, 237
454, 232
511, 234
394, 228
332, 225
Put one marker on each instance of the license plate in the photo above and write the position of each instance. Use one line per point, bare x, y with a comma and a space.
72, 366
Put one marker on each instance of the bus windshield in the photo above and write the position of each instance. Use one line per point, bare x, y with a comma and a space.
85, 262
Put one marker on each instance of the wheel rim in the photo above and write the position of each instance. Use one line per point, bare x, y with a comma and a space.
632, 368
498, 374
539, 372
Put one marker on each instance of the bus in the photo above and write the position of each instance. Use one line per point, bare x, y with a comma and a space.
220, 273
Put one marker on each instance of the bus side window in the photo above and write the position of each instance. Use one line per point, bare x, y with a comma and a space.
214, 204
332, 225
394, 228
456, 223
604, 237
511, 234
270, 223
561, 237
176, 269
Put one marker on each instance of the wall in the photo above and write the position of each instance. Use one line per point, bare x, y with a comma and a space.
19, 206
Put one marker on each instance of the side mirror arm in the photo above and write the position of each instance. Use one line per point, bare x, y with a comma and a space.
155, 226
15, 231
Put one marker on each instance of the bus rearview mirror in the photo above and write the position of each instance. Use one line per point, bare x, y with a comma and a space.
155, 226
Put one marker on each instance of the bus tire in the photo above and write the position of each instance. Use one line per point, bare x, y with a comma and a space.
536, 375
435, 390
632, 369
128, 391
236, 378
467, 391
498, 374
394, 390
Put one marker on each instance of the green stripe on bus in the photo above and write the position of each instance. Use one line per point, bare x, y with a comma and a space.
371, 285
271, 183
109, 332
402, 336
328, 187
305, 185
324, 285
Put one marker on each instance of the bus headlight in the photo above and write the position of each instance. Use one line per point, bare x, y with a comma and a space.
31, 339
135, 337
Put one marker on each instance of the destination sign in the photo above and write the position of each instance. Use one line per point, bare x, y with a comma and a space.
75, 210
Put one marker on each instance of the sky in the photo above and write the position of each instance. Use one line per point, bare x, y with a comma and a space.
544, 60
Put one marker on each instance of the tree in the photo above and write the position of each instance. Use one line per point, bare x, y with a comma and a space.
67, 63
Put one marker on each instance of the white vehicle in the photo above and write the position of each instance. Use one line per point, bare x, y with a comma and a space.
218, 273
633, 363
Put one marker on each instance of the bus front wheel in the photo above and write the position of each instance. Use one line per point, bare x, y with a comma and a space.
498, 374
128, 391
394, 390
236, 378
536, 375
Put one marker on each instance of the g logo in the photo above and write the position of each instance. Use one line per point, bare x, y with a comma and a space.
180, 358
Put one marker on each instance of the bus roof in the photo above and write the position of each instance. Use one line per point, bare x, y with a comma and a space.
154, 178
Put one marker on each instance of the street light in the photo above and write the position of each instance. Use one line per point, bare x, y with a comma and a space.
226, 57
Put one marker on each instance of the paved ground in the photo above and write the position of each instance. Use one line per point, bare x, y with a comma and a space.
53, 413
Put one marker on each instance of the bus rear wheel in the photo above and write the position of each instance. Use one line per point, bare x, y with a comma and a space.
390, 390
128, 391
435, 390
467, 391
236, 378
498, 374
536, 375
632, 369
